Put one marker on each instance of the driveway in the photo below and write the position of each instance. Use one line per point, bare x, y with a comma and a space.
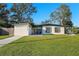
9, 40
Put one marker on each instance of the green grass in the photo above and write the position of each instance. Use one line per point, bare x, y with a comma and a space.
4, 36
46, 45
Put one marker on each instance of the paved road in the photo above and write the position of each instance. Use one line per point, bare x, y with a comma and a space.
8, 40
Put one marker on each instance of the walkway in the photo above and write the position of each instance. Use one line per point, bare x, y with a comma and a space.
8, 40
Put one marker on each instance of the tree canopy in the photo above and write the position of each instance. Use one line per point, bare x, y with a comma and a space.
20, 12
4, 14
62, 15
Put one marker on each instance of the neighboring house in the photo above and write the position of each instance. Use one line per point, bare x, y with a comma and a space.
6, 31
26, 29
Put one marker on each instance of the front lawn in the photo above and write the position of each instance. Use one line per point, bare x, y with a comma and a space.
46, 45
4, 36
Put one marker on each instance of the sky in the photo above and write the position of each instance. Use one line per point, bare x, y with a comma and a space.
44, 10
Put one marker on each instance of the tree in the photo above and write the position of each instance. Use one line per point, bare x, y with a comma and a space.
66, 17
56, 16
63, 15
4, 13
46, 22
22, 12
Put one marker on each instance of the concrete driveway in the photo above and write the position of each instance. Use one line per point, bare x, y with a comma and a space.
8, 40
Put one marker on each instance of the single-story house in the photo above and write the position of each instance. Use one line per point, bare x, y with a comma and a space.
26, 29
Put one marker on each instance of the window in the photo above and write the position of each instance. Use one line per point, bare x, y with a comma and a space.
57, 29
48, 30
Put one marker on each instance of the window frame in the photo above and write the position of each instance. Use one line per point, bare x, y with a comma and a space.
57, 29
48, 30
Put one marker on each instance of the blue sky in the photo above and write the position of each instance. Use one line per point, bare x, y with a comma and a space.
44, 10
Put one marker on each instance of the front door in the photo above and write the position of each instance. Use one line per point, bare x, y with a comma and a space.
37, 31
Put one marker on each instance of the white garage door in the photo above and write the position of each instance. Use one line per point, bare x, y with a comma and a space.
21, 29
